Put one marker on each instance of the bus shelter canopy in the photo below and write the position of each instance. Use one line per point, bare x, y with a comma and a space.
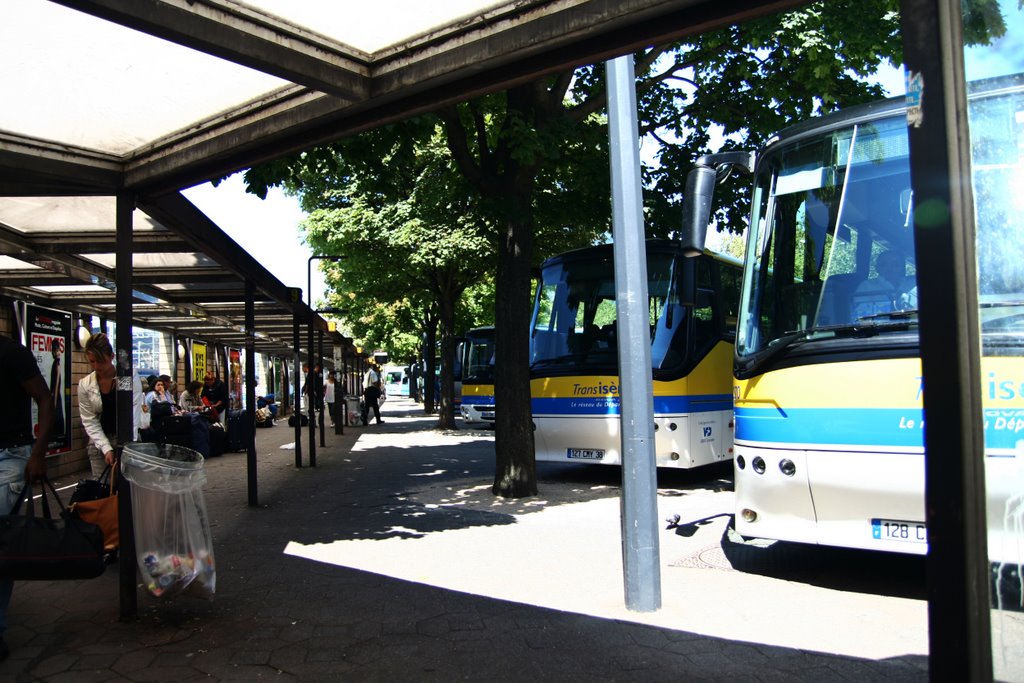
148, 97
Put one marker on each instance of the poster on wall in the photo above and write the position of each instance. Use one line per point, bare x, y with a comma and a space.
48, 336
235, 369
198, 361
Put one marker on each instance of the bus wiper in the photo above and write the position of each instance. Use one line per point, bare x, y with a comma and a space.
890, 315
775, 348
559, 360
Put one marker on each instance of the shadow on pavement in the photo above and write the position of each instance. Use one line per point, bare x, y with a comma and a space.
842, 569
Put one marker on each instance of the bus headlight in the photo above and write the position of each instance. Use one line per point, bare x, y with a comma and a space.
787, 467
757, 464
748, 515
741, 462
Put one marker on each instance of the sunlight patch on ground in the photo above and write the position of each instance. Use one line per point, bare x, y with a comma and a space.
568, 557
435, 473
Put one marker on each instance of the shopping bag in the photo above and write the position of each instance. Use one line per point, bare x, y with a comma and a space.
48, 548
102, 511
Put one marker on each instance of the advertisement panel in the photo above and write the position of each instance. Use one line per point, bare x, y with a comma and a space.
48, 336
198, 361
235, 386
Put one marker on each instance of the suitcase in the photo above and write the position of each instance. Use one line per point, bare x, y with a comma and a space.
189, 430
236, 430
218, 440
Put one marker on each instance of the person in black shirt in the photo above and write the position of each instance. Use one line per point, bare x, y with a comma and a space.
20, 384
217, 393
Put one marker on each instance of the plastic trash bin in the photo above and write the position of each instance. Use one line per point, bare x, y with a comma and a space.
352, 410
174, 547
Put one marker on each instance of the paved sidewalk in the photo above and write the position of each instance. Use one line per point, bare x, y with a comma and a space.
391, 561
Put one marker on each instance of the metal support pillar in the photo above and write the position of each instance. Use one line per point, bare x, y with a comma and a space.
311, 388
640, 552
250, 391
320, 383
125, 400
339, 395
297, 381
959, 630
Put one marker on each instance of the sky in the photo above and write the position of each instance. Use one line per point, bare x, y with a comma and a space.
266, 228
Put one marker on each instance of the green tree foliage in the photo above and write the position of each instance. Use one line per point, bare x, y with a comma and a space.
529, 166
751, 80
402, 274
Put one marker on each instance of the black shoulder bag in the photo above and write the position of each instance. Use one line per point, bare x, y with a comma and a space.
47, 548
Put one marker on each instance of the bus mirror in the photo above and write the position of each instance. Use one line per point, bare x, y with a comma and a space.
700, 189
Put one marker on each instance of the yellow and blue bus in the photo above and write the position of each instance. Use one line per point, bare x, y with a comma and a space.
828, 391
477, 353
574, 361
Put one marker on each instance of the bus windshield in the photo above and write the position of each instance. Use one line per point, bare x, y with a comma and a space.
831, 240
830, 251
574, 329
478, 357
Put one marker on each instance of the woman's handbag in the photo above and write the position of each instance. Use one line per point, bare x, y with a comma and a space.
45, 548
92, 489
102, 510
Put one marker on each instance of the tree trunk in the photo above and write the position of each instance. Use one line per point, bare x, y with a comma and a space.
515, 473
446, 415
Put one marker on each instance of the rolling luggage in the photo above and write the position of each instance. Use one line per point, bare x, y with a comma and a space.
236, 430
218, 439
188, 429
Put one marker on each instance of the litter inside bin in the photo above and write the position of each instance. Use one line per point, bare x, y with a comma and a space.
172, 531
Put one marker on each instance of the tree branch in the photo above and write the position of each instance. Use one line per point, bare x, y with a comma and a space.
455, 140
599, 101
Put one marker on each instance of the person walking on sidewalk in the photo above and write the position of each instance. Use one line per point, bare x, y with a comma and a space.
371, 394
329, 396
20, 460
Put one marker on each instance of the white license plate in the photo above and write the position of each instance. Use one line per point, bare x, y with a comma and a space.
899, 530
586, 453
487, 415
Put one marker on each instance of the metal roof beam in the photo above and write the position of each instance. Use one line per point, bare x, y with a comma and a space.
246, 36
93, 242
30, 166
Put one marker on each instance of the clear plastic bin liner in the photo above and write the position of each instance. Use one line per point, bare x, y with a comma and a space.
353, 409
174, 546
163, 467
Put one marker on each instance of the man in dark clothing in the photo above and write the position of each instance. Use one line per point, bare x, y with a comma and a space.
20, 384
314, 388
217, 393
415, 373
